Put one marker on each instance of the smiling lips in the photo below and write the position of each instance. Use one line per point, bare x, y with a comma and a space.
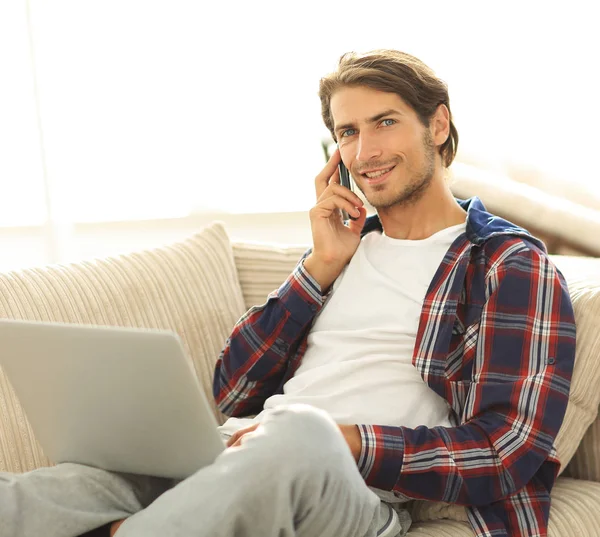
377, 176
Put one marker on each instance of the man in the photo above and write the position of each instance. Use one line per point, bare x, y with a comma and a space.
425, 352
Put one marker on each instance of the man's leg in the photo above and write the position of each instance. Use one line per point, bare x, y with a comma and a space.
70, 499
294, 476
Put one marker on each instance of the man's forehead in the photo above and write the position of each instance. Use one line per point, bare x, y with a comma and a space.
350, 105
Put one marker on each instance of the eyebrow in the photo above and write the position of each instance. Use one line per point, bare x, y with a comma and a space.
374, 119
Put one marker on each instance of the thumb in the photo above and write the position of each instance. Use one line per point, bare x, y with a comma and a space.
357, 225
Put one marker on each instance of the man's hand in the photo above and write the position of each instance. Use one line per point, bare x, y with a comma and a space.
236, 438
350, 432
115, 526
353, 439
334, 244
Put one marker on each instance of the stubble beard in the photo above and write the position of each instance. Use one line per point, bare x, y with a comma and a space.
418, 184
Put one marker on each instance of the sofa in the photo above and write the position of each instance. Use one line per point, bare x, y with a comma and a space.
567, 226
199, 287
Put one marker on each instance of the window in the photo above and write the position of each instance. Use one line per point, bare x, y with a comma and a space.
21, 181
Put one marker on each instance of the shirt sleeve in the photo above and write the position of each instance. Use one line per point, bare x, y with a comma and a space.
252, 365
514, 407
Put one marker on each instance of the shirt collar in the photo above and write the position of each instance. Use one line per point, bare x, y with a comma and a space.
481, 225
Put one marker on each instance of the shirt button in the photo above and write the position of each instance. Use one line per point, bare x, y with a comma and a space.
551, 360
313, 307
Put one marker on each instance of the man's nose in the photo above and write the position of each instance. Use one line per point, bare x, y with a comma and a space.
367, 149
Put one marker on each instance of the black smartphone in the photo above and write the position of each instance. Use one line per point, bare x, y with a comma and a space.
347, 182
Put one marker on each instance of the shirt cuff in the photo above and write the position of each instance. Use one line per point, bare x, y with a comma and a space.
381, 455
301, 295
303, 273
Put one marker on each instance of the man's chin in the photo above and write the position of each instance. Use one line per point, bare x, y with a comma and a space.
408, 197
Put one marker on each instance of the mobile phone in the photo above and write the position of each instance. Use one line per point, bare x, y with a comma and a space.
347, 182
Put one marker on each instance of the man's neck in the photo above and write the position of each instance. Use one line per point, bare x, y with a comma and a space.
435, 210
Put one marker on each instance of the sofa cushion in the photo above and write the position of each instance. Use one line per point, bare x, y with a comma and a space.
190, 287
262, 268
585, 464
574, 513
583, 277
440, 528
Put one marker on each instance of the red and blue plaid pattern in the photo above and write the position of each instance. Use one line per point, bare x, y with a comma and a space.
496, 339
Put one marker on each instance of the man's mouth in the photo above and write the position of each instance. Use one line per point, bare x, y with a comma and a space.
378, 173
377, 176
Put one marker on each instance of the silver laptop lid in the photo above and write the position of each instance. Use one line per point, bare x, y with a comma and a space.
121, 399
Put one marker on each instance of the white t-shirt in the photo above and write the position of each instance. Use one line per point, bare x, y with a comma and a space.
358, 361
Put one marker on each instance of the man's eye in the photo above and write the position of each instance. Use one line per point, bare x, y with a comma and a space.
391, 122
348, 132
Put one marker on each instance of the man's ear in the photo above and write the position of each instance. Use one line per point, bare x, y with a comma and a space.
440, 124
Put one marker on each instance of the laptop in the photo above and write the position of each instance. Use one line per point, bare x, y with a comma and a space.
121, 399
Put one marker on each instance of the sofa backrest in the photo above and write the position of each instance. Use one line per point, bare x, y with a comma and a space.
582, 421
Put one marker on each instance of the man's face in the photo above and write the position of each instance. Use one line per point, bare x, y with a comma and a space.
378, 132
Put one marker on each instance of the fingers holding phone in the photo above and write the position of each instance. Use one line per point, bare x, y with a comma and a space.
328, 174
334, 243
338, 197
335, 171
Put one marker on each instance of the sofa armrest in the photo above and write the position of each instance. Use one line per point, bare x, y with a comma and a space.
565, 226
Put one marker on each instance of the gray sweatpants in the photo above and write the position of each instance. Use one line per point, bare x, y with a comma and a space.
295, 476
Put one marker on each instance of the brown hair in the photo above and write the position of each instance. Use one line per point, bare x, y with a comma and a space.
394, 72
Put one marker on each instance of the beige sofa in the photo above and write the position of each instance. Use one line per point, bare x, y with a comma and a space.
201, 286
567, 226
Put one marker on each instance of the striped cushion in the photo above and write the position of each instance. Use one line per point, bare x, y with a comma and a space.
441, 528
584, 397
190, 287
262, 268
578, 444
574, 513
585, 464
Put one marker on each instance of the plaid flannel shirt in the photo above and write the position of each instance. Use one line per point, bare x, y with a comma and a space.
496, 339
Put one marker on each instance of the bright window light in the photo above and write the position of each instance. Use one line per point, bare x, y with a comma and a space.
160, 109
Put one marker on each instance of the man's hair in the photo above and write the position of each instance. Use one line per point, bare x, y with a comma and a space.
396, 72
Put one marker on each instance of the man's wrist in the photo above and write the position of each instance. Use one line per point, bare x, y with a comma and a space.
353, 439
322, 273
